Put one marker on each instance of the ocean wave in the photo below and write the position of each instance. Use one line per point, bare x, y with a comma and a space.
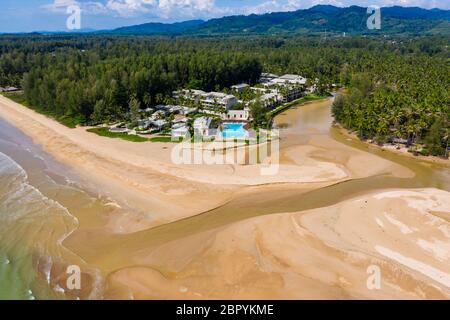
20, 198
32, 224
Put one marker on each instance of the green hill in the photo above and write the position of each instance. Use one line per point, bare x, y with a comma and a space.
318, 19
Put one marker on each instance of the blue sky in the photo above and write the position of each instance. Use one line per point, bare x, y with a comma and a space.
50, 15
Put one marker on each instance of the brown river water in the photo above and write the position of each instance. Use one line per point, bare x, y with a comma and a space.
43, 205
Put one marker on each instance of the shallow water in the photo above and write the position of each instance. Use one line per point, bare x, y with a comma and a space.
41, 205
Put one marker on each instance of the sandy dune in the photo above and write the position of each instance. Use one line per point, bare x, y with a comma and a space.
323, 253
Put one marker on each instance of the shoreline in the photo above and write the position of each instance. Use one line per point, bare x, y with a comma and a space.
141, 176
392, 148
257, 254
115, 150
284, 108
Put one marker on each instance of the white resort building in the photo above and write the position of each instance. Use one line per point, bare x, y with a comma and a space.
218, 99
240, 87
179, 130
237, 115
267, 77
202, 126
210, 100
290, 86
292, 79
271, 100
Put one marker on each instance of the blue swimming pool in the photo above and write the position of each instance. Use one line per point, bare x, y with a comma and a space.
234, 130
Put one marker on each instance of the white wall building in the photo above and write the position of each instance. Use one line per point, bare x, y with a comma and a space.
218, 99
290, 79
270, 100
179, 130
208, 99
240, 87
158, 124
266, 77
202, 126
291, 86
188, 93
237, 115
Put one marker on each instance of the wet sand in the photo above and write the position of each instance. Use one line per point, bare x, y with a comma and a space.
240, 236
144, 177
317, 254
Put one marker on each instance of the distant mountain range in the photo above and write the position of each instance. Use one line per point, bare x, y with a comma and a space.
160, 28
320, 18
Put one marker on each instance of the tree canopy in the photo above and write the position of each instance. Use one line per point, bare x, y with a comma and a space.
398, 87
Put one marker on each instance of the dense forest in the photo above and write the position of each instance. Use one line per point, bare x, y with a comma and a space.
403, 98
406, 100
398, 87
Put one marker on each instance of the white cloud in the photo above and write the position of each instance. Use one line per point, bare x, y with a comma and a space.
89, 7
164, 9
190, 9
290, 5
284, 5
126, 8
57, 5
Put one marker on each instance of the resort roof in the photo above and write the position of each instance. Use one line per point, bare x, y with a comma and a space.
202, 122
269, 75
240, 86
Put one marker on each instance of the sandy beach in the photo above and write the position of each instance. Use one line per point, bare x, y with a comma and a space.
311, 231
317, 254
142, 175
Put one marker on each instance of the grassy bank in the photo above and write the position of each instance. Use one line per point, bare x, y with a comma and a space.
104, 132
308, 98
165, 139
19, 98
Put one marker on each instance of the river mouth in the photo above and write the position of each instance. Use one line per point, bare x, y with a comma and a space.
88, 241
303, 123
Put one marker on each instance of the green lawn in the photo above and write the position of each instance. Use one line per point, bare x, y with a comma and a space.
104, 132
165, 139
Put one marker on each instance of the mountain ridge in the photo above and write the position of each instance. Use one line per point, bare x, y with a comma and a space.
157, 27
329, 18
315, 20
320, 18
